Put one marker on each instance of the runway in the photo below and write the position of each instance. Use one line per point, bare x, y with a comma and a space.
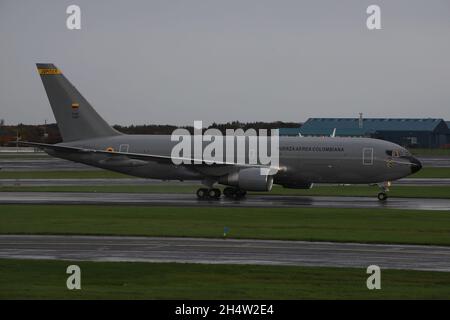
190, 200
225, 251
139, 181
435, 161
424, 182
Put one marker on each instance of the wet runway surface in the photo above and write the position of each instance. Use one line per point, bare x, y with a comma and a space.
225, 251
190, 200
422, 182
438, 162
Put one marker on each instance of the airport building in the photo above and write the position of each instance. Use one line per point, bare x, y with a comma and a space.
419, 133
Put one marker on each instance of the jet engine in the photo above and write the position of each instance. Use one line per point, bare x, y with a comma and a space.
250, 179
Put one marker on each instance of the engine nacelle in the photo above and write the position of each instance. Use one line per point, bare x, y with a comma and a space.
249, 179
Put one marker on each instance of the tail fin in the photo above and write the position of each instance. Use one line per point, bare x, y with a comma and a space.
76, 118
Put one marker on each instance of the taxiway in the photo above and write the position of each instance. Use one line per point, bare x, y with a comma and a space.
225, 251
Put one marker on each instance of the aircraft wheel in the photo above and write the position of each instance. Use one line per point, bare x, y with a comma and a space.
229, 192
234, 193
382, 196
239, 194
214, 193
202, 193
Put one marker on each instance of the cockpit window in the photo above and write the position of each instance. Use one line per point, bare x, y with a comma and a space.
398, 153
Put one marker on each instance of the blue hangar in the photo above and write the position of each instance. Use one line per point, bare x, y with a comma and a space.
417, 133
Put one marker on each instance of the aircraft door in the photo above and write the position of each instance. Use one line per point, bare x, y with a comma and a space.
367, 155
124, 148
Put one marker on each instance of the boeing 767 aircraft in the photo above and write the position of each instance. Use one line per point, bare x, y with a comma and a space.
302, 161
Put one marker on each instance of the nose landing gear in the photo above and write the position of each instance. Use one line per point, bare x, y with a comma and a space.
382, 196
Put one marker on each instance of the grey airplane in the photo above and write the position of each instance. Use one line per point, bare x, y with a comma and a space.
303, 161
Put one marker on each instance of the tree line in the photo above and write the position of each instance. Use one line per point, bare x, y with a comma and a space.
49, 133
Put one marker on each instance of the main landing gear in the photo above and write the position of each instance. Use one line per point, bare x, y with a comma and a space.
214, 193
234, 193
382, 196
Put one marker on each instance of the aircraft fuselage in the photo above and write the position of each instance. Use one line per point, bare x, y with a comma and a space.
302, 160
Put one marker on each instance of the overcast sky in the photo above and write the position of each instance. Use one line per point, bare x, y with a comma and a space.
174, 62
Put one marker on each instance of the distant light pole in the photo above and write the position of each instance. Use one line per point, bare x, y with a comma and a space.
17, 139
45, 130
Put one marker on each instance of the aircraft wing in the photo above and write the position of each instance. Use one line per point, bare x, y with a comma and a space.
202, 165
62, 148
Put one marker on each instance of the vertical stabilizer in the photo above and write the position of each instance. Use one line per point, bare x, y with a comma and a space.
76, 118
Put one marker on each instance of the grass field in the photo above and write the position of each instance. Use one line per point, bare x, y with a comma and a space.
432, 173
34, 279
320, 190
92, 174
310, 224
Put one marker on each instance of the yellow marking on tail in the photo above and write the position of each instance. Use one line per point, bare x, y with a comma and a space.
49, 71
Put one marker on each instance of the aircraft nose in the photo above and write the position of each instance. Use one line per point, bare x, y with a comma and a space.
416, 165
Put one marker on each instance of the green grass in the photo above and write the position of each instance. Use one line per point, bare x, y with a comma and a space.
92, 174
432, 173
35, 279
366, 191
310, 224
